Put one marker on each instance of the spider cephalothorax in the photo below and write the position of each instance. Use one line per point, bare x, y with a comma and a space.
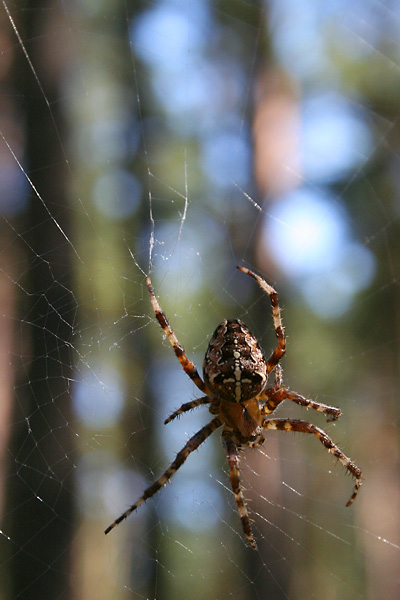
235, 386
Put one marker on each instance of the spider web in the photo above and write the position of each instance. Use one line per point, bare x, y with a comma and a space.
181, 139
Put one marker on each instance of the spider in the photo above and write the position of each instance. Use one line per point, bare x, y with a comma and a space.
235, 375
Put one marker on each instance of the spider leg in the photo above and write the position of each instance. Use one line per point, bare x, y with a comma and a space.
188, 366
275, 396
188, 406
276, 315
278, 372
305, 427
232, 456
258, 443
195, 441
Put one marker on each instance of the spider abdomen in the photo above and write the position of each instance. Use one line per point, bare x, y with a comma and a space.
234, 366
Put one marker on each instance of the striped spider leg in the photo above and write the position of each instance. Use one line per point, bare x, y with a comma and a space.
274, 397
276, 316
195, 441
233, 460
188, 406
187, 365
306, 427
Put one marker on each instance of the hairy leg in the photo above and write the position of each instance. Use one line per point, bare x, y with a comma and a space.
305, 427
195, 441
188, 406
187, 365
275, 397
232, 456
276, 315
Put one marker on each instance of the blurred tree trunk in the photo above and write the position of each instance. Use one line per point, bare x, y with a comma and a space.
10, 130
7, 308
41, 489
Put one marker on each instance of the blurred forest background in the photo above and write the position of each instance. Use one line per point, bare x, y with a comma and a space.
184, 138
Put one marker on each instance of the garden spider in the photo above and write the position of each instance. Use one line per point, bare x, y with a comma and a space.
235, 376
